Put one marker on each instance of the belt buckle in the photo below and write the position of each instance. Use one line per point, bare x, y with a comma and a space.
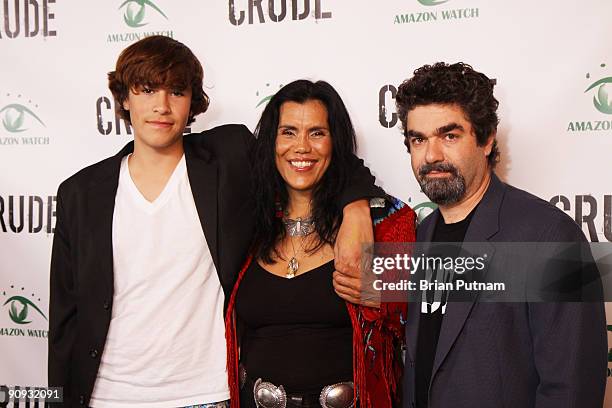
338, 395
268, 395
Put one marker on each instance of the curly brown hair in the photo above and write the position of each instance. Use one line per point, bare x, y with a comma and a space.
459, 84
158, 62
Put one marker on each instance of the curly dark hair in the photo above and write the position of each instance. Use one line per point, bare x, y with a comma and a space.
270, 189
459, 84
158, 61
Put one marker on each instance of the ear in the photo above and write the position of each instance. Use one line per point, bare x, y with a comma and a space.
489, 144
126, 104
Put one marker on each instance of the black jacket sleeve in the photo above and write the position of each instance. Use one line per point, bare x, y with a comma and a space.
360, 184
62, 302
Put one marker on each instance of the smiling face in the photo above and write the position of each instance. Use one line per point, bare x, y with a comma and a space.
446, 159
158, 115
303, 145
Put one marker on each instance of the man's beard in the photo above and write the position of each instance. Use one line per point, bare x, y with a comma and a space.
442, 190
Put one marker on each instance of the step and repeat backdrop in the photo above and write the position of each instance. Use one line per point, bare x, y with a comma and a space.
551, 59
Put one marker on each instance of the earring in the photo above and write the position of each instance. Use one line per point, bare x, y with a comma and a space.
278, 207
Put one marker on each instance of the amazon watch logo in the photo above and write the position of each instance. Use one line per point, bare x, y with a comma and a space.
432, 2
21, 310
135, 11
20, 122
265, 95
137, 14
422, 210
14, 116
601, 99
24, 314
432, 14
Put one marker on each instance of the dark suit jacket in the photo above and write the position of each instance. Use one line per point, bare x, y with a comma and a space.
81, 291
544, 355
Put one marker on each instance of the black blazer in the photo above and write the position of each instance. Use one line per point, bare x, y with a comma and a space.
81, 291
528, 355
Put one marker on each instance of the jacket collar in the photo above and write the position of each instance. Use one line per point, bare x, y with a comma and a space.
202, 172
482, 228
484, 225
109, 168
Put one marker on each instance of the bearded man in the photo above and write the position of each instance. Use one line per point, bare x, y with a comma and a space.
477, 354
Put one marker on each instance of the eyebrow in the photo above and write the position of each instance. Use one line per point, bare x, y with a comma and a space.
439, 131
151, 85
447, 128
414, 133
290, 127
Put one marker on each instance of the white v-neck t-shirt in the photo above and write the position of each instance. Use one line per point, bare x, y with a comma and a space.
166, 341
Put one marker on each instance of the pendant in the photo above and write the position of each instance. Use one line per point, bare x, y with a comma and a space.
292, 267
298, 226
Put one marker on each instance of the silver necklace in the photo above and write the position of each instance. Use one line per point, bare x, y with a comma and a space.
299, 227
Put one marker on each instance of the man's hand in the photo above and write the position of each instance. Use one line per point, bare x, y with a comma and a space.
355, 231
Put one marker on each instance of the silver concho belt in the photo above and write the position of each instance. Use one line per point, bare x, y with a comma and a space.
268, 395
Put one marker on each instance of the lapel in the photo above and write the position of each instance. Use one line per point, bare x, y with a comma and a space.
101, 204
484, 225
424, 236
202, 171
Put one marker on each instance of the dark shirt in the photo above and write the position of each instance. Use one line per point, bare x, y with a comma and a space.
431, 322
297, 332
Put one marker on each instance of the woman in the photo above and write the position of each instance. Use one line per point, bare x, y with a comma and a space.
300, 344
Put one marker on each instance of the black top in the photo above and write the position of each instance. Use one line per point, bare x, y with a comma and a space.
297, 332
431, 321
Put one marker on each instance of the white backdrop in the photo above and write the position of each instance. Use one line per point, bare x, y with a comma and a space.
57, 114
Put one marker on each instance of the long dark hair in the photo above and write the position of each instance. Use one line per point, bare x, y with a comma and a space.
270, 190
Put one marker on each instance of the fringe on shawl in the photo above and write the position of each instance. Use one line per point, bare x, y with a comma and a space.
359, 374
232, 341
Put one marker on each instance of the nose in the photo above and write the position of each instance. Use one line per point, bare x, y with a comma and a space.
302, 143
162, 103
434, 151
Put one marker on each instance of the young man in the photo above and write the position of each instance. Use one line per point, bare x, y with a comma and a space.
467, 354
148, 244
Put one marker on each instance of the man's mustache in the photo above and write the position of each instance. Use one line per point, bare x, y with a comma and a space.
440, 167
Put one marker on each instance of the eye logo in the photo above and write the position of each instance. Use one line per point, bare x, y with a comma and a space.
135, 12
266, 98
13, 117
601, 100
432, 2
19, 309
423, 210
